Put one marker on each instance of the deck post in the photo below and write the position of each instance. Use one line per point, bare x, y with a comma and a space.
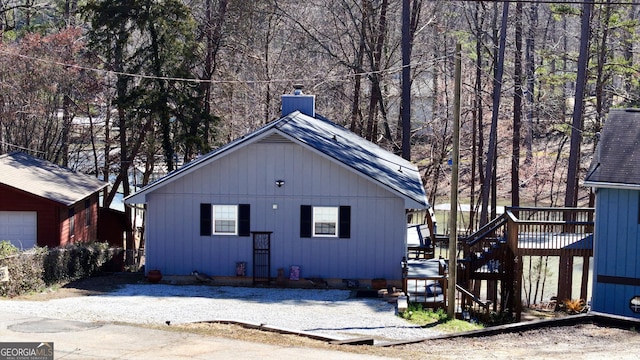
517, 287
405, 274
585, 278
565, 276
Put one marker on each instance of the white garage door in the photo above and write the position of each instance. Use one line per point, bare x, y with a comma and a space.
19, 227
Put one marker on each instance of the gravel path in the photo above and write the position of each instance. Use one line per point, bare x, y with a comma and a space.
327, 312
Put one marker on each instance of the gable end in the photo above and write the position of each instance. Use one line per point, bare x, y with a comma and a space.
274, 139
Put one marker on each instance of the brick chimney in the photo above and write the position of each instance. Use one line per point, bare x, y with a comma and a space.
306, 104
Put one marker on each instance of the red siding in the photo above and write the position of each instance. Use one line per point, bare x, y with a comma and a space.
112, 227
53, 222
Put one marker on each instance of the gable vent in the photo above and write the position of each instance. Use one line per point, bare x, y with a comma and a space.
274, 139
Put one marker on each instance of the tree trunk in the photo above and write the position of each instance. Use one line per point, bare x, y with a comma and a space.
628, 52
356, 115
517, 111
531, 67
493, 134
70, 8
603, 57
571, 197
376, 101
405, 105
213, 35
476, 133
66, 125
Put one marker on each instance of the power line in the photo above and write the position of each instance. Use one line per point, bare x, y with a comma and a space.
564, 2
323, 79
195, 80
20, 147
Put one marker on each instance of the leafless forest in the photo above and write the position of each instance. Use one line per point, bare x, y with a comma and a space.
129, 89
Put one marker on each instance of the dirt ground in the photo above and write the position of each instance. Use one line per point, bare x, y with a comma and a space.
586, 341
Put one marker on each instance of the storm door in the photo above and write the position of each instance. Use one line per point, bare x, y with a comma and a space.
261, 257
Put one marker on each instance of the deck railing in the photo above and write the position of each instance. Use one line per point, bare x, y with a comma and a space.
482, 249
430, 291
546, 231
471, 305
493, 254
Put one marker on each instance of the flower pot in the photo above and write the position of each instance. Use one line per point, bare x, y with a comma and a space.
154, 276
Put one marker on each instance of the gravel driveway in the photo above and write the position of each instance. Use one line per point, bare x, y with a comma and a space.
333, 313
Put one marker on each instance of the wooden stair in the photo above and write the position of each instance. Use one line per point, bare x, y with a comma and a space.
487, 257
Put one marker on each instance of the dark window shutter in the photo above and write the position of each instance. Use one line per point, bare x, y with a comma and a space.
244, 220
205, 219
344, 219
305, 221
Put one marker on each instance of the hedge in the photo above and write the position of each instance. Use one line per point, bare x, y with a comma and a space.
35, 269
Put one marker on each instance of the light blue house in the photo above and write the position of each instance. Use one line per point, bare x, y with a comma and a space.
300, 192
615, 176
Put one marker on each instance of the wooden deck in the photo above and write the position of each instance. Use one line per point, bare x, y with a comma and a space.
493, 258
554, 244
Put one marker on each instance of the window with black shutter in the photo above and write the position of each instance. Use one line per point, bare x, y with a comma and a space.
305, 221
225, 219
244, 220
325, 221
344, 226
205, 219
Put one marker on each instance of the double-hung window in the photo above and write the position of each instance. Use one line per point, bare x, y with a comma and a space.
225, 219
325, 221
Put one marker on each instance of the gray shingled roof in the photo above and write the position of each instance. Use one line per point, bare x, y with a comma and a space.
369, 159
319, 134
46, 179
617, 159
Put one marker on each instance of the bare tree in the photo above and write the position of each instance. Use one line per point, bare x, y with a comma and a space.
490, 166
571, 196
517, 110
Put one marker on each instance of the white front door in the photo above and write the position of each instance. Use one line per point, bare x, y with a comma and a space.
19, 227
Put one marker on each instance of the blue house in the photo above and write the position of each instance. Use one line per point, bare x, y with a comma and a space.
301, 196
615, 176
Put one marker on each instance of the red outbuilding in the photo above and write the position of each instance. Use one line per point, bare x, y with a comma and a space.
45, 204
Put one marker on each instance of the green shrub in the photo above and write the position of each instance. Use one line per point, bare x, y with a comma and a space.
418, 315
25, 272
7, 249
37, 268
437, 319
77, 261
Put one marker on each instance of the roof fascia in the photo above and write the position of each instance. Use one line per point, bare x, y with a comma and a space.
140, 196
610, 185
55, 202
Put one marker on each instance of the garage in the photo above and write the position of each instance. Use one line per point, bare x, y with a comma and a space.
19, 227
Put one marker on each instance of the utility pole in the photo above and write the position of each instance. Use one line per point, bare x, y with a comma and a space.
453, 219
